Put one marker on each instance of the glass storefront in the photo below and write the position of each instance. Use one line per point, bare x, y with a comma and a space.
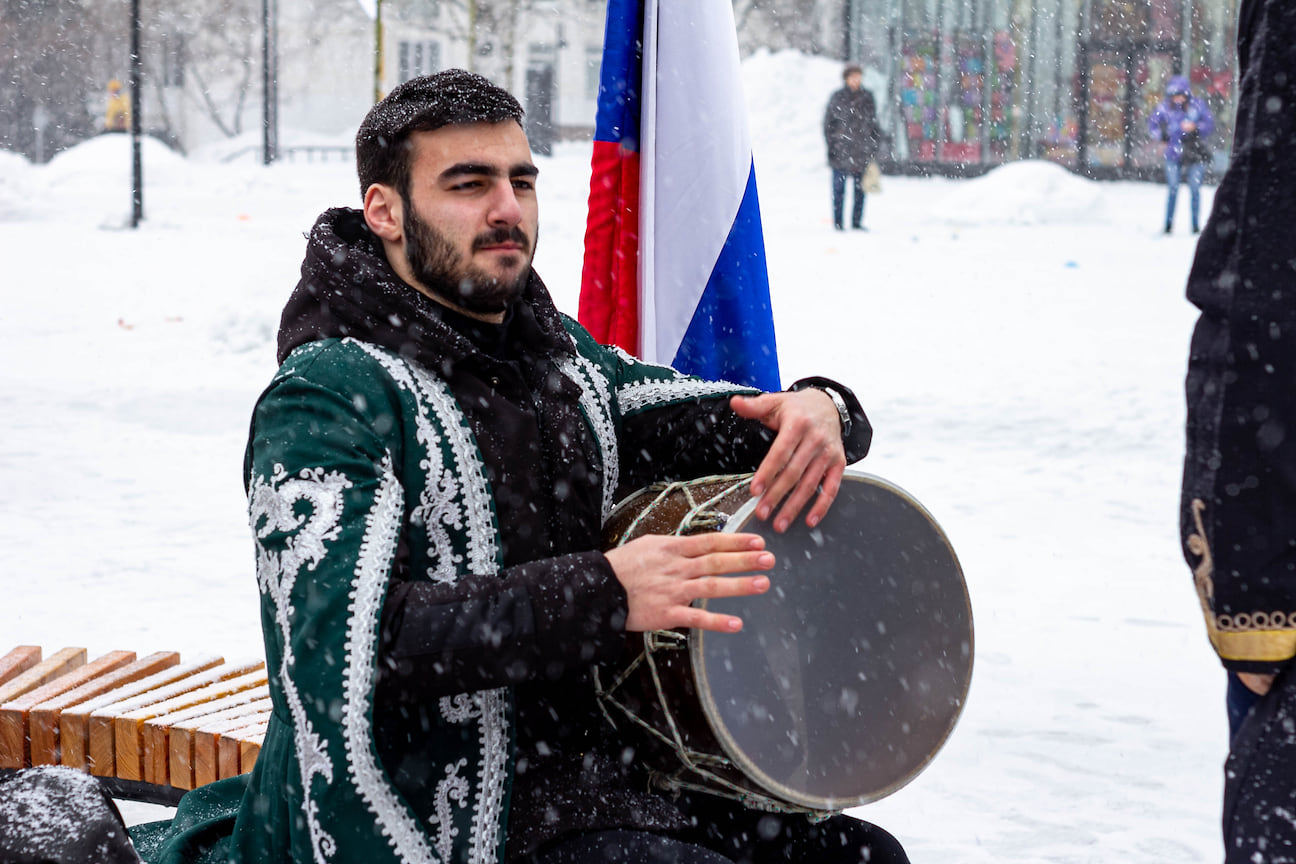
974, 83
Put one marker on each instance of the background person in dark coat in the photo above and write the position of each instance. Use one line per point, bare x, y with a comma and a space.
850, 130
1238, 514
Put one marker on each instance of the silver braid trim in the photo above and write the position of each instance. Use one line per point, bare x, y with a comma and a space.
596, 402
649, 394
382, 529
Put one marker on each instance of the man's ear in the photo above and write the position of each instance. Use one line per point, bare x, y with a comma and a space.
383, 212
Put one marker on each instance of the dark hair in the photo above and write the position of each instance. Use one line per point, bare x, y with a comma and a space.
851, 69
452, 97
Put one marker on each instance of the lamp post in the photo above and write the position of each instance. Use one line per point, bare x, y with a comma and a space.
378, 52
137, 167
269, 82
472, 35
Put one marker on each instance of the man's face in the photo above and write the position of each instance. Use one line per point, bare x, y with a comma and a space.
853, 80
471, 217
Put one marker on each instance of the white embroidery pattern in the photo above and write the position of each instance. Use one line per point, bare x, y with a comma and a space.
270, 509
382, 530
648, 394
453, 788
438, 507
483, 548
489, 709
598, 410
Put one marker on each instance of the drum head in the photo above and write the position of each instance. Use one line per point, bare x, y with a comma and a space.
851, 671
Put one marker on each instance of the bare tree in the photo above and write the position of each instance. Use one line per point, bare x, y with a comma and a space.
782, 24
45, 83
488, 27
222, 55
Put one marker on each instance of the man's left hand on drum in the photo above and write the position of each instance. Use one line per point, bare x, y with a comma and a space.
807, 455
663, 575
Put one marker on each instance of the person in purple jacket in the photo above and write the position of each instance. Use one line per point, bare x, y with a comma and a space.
1185, 123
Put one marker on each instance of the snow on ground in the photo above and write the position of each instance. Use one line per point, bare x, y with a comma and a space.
1019, 341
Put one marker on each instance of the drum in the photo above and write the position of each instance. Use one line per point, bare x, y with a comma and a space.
849, 673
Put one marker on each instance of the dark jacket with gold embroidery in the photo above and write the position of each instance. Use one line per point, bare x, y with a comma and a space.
1238, 513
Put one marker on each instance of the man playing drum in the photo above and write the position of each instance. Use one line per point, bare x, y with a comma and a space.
428, 473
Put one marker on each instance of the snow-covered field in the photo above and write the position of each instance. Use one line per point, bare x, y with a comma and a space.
1019, 341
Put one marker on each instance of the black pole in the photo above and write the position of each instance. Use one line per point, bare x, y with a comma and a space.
848, 24
1127, 116
985, 21
269, 85
1026, 144
1057, 68
895, 41
1082, 104
137, 167
942, 104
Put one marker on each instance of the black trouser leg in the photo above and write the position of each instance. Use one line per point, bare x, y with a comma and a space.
838, 197
857, 215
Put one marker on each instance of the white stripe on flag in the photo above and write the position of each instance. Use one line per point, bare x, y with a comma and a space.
696, 158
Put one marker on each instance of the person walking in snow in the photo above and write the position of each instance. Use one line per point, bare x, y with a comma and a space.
1185, 123
851, 133
1238, 511
428, 474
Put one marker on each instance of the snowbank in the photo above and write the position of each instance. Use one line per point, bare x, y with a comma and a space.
106, 159
1024, 193
17, 186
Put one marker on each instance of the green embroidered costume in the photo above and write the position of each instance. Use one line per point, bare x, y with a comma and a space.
426, 508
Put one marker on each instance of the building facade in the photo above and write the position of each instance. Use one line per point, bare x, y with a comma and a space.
547, 52
974, 83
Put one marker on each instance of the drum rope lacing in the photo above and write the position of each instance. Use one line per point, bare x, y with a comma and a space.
700, 517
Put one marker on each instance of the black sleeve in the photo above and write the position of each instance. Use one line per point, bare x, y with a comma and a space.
703, 437
537, 620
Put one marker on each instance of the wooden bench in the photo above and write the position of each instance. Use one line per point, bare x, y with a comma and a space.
149, 728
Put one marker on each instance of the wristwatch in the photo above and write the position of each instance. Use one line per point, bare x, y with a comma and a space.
843, 413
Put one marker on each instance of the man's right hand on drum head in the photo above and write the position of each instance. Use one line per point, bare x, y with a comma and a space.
663, 575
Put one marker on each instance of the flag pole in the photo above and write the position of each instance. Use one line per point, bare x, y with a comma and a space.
647, 188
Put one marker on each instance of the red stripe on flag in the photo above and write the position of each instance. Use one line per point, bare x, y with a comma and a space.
609, 297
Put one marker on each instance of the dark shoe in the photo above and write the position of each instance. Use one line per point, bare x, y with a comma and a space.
1196, 230
858, 228
1167, 228
837, 227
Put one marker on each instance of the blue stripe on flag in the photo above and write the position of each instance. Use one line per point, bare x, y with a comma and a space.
731, 334
617, 120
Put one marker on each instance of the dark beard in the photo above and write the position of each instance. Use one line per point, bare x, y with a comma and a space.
439, 268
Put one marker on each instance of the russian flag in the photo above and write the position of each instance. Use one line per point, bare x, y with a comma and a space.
674, 253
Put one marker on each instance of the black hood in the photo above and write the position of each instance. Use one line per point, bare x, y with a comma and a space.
348, 288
